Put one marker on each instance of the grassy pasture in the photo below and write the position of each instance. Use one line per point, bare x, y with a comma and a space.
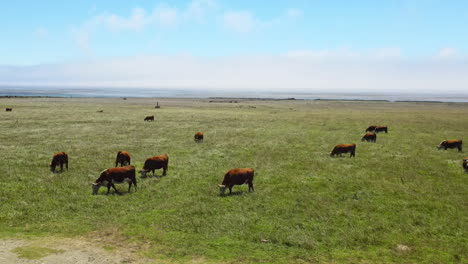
310, 207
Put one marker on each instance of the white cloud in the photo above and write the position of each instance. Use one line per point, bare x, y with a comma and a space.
41, 32
294, 13
198, 9
387, 53
136, 21
246, 22
165, 16
240, 22
308, 71
447, 53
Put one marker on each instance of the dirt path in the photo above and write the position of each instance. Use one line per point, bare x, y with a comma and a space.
66, 251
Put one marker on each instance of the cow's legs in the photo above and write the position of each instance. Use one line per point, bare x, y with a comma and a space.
164, 171
230, 189
61, 166
66, 165
115, 189
251, 186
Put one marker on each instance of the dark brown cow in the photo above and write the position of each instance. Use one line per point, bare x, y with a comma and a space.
237, 177
380, 129
199, 137
155, 163
115, 175
8, 109
451, 144
369, 137
59, 158
371, 129
149, 118
465, 164
123, 157
344, 148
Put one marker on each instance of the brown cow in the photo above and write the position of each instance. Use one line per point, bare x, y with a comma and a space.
123, 157
237, 177
149, 118
155, 163
369, 137
198, 137
380, 129
8, 109
344, 148
465, 164
451, 144
59, 158
371, 129
115, 175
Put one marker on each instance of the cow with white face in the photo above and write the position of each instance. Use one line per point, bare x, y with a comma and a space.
236, 177
155, 163
451, 144
115, 175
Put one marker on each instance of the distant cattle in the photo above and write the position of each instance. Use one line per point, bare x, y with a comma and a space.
100, 111
465, 164
115, 175
371, 129
149, 118
369, 137
344, 148
237, 177
198, 137
451, 144
59, 158
123, 157
8, 109
381, 129
155, 163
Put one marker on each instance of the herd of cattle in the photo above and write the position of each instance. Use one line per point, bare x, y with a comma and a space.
126, 173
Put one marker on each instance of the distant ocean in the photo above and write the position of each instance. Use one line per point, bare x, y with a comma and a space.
172, 93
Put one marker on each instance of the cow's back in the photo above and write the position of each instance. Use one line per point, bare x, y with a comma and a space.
238, 176
156, 162
121, 173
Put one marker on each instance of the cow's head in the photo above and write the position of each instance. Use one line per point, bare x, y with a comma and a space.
222, 189
441, 145
143, 173
95, 187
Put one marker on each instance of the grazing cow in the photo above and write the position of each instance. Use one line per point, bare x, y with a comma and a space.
199, 137
8, 109
100, 111
237, 177
451, 144
123, 157
371, 129
115, 175
149, 118
59, 158
380, 129
465, 164
344, 148
155, 163
369, 137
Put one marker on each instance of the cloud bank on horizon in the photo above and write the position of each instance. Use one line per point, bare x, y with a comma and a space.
403, 46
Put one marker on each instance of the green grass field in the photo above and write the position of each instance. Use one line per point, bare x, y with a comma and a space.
309, 206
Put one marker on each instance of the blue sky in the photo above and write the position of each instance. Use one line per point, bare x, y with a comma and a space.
58, 42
